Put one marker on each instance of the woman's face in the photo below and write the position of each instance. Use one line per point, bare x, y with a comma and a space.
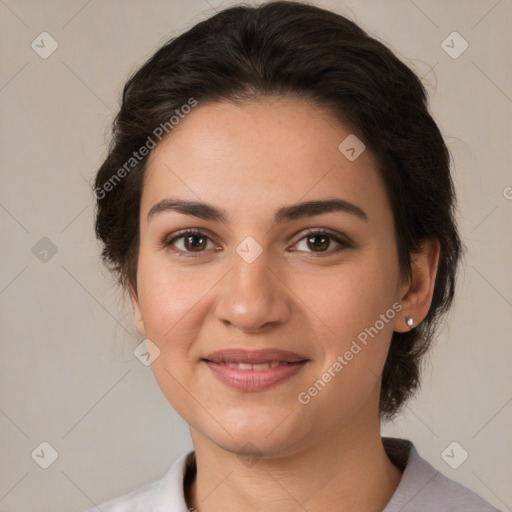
255, 279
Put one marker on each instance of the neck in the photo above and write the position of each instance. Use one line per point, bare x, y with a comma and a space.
351, 470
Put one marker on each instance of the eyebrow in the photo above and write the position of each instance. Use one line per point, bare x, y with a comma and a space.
286, 213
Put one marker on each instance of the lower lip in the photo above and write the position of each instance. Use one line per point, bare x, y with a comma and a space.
254, 380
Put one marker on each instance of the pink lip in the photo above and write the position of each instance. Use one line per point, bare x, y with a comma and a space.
253, 380
237, 355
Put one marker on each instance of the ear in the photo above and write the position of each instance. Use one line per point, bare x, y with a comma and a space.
416, 295
137, 314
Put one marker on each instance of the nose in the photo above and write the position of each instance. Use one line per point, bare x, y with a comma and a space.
252, 296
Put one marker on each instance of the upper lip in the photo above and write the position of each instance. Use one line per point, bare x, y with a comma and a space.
237, 355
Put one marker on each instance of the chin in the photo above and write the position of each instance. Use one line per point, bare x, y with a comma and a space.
257, 436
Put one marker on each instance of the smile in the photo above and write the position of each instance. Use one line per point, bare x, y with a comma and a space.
254, 377
261, 366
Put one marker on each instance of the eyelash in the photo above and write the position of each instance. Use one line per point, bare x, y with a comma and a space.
344, 244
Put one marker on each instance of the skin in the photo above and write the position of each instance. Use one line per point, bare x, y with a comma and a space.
251, 160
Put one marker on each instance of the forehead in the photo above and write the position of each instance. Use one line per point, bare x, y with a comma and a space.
276, 150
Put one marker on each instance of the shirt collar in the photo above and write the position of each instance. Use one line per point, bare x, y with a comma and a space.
416, 477
170, 494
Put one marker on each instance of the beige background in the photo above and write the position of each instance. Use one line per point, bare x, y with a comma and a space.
68, 373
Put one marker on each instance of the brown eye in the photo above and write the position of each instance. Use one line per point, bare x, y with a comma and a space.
189, 242
321, 242
194, 242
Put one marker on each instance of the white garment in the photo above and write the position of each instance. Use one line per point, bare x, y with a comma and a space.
421, 489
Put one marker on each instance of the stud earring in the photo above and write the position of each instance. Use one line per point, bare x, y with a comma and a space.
410, 322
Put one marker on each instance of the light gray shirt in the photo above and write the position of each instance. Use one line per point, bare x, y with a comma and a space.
421, 489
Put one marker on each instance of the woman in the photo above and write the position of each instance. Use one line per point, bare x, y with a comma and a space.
277, 202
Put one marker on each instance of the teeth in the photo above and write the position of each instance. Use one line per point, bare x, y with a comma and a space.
241, 366
260, 366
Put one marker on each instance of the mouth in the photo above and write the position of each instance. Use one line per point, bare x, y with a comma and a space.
255, 366
254, 357
255, 370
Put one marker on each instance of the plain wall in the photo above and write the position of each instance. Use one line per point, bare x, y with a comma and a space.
68, 373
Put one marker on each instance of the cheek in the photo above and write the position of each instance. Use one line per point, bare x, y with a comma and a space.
355, 305
170, 298
350, 297
171, 306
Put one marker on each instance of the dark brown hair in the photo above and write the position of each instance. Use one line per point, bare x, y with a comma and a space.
291, 48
